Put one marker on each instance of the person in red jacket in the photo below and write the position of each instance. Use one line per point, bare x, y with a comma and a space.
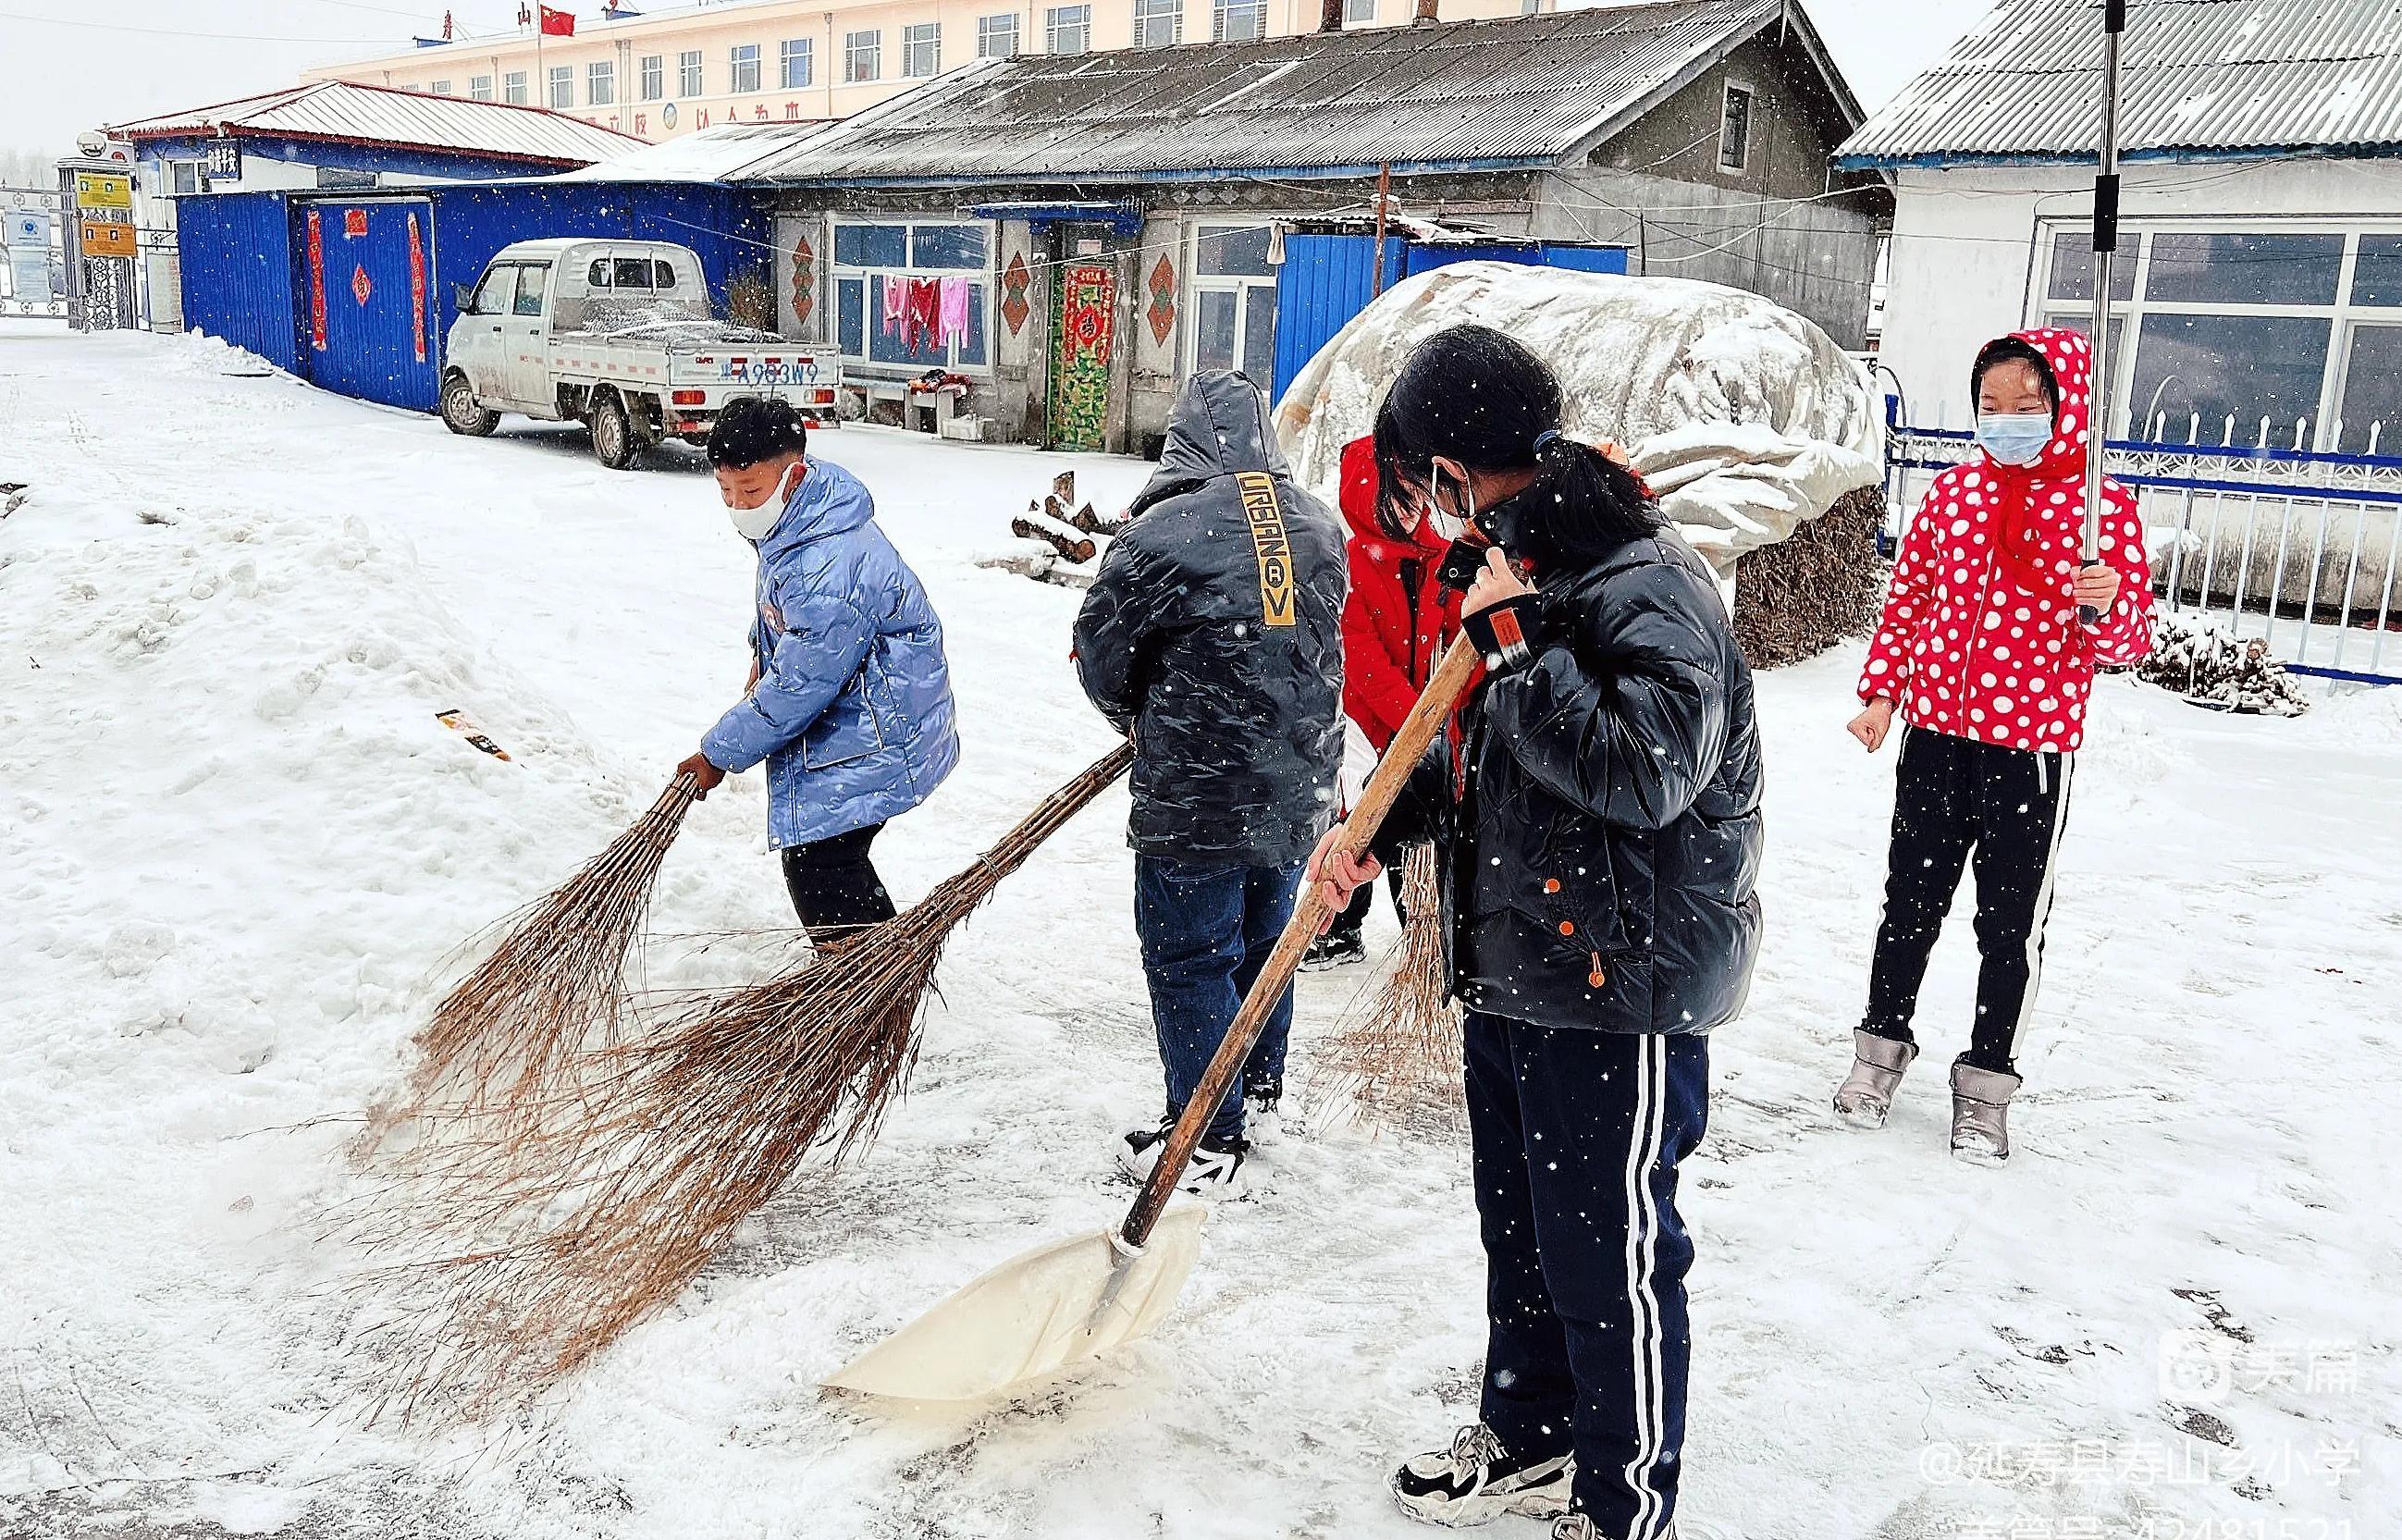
1395, 625
1981, 653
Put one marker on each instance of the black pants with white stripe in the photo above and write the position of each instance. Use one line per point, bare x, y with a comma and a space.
1578, 1133
1956, 801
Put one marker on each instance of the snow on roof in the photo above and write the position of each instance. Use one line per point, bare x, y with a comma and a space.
346, 112
1523, 91
713, 155
2197, 77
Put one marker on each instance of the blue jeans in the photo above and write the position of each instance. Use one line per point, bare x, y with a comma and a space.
1206, 930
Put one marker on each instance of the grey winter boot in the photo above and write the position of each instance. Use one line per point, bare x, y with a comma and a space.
1878, 1065
1980, 1113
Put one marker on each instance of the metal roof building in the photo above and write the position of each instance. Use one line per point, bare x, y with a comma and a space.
2262, 149
1120, 219
336, 112
1524, 93
2204, 79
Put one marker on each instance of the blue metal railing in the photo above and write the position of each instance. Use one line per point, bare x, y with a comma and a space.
2296, 548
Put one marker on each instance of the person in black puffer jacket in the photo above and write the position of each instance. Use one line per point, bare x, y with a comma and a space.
1599, 810
1212, 634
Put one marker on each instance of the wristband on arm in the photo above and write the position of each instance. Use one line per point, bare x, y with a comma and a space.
1503, 634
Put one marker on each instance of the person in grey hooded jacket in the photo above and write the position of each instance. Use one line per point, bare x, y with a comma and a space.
849, 703
1213, 636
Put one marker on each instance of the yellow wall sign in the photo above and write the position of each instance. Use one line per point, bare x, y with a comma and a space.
102, 238
103, 190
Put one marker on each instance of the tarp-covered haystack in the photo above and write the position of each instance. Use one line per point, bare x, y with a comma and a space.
1748, 419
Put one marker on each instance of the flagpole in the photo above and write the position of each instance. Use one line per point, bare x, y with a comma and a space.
2106, 247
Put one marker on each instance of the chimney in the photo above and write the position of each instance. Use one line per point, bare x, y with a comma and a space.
1426, 13
1330, 16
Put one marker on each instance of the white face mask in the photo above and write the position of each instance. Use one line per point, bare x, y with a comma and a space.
1447, 525
756, 524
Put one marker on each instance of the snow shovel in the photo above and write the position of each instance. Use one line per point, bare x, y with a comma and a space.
1041, 1311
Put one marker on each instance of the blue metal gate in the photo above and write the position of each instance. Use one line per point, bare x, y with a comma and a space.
1327, 279
368, 270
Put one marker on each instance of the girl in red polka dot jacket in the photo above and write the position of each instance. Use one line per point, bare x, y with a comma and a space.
1981, 653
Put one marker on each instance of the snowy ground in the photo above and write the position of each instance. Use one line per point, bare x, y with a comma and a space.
235, 847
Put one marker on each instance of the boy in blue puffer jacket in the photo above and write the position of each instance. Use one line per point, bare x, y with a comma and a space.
849, 701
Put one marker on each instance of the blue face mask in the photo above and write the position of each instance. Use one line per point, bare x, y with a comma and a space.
2014, 438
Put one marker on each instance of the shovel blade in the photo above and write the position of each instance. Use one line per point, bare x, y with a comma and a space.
1032, 1316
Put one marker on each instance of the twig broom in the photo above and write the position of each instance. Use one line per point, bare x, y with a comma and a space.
675, 1140
1399, 1063
502, 1041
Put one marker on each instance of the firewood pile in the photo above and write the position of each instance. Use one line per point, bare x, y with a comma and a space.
2210, 668
1058, 539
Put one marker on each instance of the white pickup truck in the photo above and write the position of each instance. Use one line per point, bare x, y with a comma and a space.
615, 334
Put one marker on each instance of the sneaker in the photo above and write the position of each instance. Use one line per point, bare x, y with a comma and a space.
1215, 1166
1333, 950
1475, 1481
1877, 1064
1580, 1526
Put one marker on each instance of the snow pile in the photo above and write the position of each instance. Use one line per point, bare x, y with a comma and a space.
236, 848
1744, 417
2202, 663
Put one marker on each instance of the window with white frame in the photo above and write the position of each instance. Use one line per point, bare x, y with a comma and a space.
655, 76
688, 72
480, 88
862, 56
1067, 29
600, 82
183, 178
914, 295
1734, 129
1239, 20
800, 63
1358, 12
1231, 319
921, 50
562, 85
2283, 335
745, 61
1158, 23
997, 36
514, 87
439, 88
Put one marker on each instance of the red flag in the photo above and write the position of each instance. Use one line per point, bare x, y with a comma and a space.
557, 23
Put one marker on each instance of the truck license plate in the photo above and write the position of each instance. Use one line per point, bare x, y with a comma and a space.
769, 371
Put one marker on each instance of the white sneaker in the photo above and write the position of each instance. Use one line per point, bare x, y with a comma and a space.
1215, 1167
1475, 1481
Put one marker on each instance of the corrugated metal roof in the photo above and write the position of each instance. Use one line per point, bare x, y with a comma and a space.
378, 115
1524, 92
2197, 77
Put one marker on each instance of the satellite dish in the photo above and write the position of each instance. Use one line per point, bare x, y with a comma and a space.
92, 142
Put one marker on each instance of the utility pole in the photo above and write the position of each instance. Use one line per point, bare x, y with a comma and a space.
1384, 205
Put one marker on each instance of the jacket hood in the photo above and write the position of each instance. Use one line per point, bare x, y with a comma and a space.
1220, 427
828, 501
1355, 495
2071, 359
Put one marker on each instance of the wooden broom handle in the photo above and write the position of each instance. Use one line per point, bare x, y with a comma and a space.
1393, 771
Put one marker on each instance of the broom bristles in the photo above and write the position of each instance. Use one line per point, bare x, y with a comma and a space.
1399, 1063
586, 1219
501, 1040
